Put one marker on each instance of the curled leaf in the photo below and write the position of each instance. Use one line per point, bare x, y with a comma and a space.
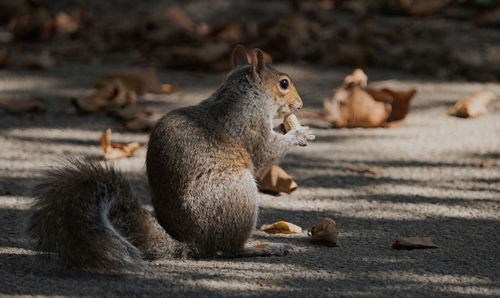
18, 59
114, 151
267, 282
275, 179
20, 105
473, 106
413, 243
139, 80
111, 98
325, 231
362, 170
282, 227
354, 107
399, 100
357, 78
142, 123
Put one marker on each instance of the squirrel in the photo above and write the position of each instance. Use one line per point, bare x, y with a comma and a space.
201, 162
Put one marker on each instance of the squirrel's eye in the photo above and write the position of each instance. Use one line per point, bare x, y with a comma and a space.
284, 84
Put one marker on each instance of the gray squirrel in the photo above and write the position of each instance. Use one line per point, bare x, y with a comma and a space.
201, 162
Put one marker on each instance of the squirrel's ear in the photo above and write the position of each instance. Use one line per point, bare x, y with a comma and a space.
239, 56
258, 64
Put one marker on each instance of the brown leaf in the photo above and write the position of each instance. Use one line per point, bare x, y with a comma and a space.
325, 231
380, 95
347, 53
228, 32
20, 105
168, 88
473, 106
356, 78
139, 80
11, 9
363, 170
486, 163
489, 18
413, 243
34, 23
141, 123
281, 227
399, 100
21, 60
66, 24
267, 282
132, 112
424, 7
276, 179
114, 151
355, 108
111, 97
213, 55
92, 103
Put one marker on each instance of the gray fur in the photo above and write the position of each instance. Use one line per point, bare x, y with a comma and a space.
75, 216
201, 163
200, 194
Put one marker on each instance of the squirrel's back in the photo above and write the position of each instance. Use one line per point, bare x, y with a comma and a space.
202, 186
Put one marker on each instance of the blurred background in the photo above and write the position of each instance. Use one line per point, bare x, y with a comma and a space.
448, 39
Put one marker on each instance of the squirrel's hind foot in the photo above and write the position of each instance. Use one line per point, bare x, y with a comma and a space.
263, 250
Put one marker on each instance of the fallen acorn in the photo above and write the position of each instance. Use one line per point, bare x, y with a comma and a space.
325, 231
282, 227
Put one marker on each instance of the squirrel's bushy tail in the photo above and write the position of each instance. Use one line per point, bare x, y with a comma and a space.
86, 213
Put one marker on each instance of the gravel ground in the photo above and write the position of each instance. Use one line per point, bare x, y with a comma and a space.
431, 184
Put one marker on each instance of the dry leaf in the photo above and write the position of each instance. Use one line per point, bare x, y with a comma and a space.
213, 55
399, 100
139, 80
489, 18
168, 88
276, 179
34, 23
424, 7
413, 242
114, 151
141, 123
356, 78
355, 108
281, 227
66, 24
267, 282
132, 112
325, 231
473, 106
20, 105
92, 103
362, 170
20, 60
111, 98
486, 163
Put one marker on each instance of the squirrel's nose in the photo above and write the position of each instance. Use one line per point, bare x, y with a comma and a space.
299, 103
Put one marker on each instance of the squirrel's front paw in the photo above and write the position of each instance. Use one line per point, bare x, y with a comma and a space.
302, 135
